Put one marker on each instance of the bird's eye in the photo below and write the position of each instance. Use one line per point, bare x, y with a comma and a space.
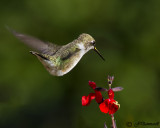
93, 42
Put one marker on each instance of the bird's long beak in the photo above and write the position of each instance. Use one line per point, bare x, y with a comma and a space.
95, 49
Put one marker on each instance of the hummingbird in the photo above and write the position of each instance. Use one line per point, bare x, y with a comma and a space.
59, 60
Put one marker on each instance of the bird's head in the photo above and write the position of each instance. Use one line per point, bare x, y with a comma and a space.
87, 42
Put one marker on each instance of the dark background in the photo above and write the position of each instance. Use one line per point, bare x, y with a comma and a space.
127, 33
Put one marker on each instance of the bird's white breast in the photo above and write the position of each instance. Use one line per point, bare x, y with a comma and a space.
80, 54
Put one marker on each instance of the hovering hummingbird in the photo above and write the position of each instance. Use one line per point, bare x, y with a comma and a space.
59, 60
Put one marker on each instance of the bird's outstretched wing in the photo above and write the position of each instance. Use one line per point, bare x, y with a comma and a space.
40, 46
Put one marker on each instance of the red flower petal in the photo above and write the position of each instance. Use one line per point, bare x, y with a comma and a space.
113, 106
98, 96
92, 96
92, 84
86, 100
111, 94
110, 106
104, 107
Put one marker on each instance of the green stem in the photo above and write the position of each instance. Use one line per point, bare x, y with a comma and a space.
113, 121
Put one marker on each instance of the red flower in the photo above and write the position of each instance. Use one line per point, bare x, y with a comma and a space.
106, 105
110, 106
86, 100
110, 94
92, 84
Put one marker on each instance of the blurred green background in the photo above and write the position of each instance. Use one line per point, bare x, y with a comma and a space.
127, 34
